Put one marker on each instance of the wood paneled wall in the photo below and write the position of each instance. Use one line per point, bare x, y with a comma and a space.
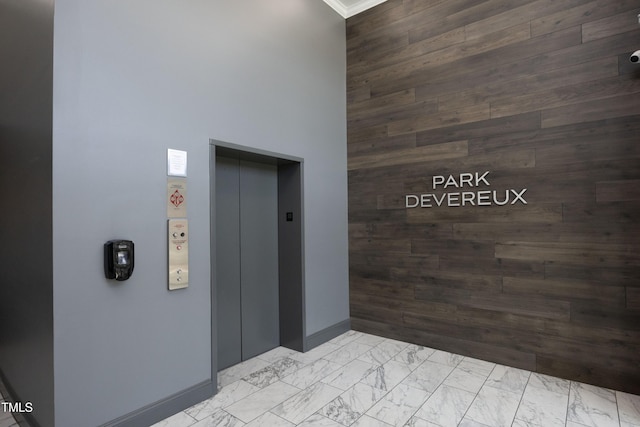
541, 94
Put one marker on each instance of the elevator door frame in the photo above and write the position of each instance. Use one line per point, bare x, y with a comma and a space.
290, 243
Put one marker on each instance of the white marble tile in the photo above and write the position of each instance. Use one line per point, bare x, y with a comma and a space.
236, 372
348, 375
521, 423
466, 422
419, 422
347, 353
397, 407
413, 355
446, 358
508, 379
542, 407
399, 343
446, 406
387, 376
315, 354
346, 338
464, 379
347, 378
545, 382
307, 402
592, 406
317, 420
8, 422
428, 376
181, 419
367, 421
352, 404
269, 419
494, 407
571, 424
276, 354
311, 373
6, 418
219, 419
478, 366
272, 373
369, 339
256, 404
628, 408
228, 395
383, 352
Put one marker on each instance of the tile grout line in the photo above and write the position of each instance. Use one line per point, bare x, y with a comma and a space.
615, 395
522, 397
378, 365
387, 393
476, 396
340, 347
566, 415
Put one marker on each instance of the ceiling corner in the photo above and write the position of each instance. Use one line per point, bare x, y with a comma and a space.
349, 8
338, 6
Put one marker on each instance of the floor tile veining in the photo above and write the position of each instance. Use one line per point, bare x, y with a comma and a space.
362, 380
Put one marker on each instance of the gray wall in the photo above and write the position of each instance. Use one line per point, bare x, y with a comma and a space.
132, 79
26, 297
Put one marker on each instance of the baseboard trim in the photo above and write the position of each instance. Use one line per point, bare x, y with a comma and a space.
158, 411
327, 334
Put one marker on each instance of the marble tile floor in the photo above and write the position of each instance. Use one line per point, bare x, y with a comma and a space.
6, 419
362, 380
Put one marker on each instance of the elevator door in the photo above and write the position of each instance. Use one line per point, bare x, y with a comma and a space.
246, 259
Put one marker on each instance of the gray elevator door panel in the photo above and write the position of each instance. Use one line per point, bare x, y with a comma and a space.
247, 273
227, 278
259, 257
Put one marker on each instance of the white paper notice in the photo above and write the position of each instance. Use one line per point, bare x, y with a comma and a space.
176, 162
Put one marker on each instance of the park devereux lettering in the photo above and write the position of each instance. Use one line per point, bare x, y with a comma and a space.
460, 197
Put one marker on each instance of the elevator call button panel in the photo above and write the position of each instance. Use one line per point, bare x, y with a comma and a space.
178, 254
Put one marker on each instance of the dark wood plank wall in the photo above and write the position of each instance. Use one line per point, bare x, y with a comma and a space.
541, 94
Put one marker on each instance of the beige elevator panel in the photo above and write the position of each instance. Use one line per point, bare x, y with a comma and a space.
178, 254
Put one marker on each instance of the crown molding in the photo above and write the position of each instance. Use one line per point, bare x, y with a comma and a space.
362, 6
347, 12
338, 7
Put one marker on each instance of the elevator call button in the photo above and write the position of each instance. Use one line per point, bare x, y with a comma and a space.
178, 245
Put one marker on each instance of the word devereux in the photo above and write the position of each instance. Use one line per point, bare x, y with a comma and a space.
464, 198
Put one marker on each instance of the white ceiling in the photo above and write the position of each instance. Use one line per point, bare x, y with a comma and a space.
348, 8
